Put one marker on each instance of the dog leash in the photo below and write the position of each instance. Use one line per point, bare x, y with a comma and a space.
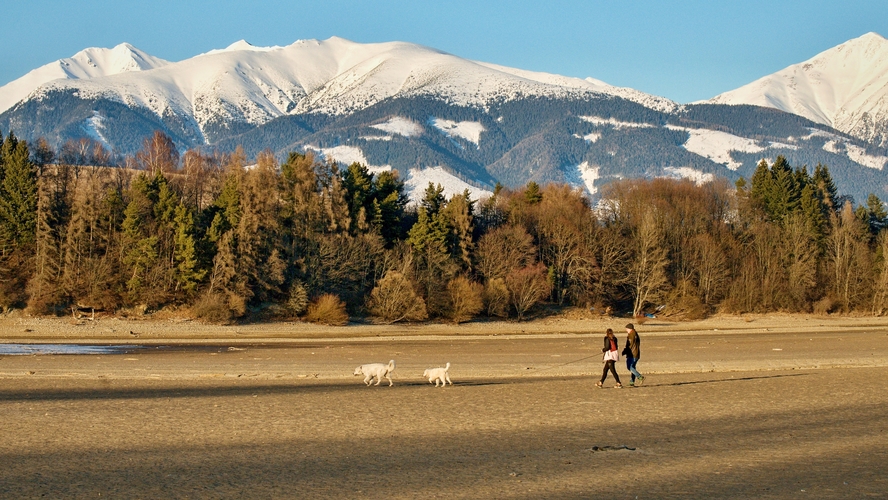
568, 363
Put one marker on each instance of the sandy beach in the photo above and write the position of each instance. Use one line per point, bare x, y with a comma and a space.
734, 407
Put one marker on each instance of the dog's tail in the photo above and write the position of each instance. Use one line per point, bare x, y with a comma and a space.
447, 366
391, 365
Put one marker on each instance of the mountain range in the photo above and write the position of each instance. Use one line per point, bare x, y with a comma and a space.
845, 87
437, 117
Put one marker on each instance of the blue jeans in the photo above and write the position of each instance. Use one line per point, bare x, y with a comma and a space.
630, 365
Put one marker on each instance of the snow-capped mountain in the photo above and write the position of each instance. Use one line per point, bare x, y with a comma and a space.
253, 85
430, 115
845, 87
88, 63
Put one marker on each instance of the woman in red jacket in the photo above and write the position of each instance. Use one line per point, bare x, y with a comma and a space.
611, 356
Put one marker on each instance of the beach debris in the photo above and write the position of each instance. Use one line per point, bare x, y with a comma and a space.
610, 448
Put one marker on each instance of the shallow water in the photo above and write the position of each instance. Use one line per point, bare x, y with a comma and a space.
32, 349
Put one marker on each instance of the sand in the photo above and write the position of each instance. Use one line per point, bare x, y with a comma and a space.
737, 407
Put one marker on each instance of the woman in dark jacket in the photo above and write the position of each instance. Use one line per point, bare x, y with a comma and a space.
611, 356
632, 351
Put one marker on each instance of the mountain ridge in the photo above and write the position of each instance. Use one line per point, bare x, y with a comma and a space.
422, 111
845, 87
88, 63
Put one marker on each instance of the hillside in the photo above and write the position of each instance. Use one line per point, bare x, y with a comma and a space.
845, 87
429, 115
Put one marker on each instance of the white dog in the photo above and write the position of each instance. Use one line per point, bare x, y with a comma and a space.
438, 375
377, 370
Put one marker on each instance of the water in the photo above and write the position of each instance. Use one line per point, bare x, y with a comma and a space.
32, 349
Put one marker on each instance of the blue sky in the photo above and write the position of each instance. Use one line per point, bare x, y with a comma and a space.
683, 50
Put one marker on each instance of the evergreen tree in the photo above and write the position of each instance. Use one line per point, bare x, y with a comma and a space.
532, 193
826, 188
812, 210
429, 239
188, 272
782, 195
876, 215
18, 195
390, 202
358, 184
433, 199
150, 241
18, 220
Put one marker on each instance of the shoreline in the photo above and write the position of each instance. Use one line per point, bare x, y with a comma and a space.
182, 331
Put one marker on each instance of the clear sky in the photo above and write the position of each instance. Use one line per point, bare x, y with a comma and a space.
684, 50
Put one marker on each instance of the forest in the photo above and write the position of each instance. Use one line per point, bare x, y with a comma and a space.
223, 239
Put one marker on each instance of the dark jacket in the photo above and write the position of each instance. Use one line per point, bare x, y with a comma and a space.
633, 345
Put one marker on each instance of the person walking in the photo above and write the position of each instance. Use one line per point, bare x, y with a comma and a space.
632, 351
611, 356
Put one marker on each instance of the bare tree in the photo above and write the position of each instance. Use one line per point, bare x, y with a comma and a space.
849, 258
566, 228
503, 249
158, 154
496, 297
394, 299
465, 299
200, 180
647, 268
527, 287
711, 265
802, 255
880, 286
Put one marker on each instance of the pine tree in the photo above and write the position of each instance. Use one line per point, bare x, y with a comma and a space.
18, 195
150, 234
358, 184
188, 273
812, 209
429, 238
532, 193
826, 188
433, 199
782, 197
876, 215
390, 202
18, 220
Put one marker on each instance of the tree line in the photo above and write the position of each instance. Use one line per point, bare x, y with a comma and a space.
227, 240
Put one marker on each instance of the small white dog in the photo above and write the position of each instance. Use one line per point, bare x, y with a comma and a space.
376, 370
438, 375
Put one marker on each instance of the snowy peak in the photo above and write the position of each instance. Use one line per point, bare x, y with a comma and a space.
88, 63
252, 85
94, 62
242, 45
845, 87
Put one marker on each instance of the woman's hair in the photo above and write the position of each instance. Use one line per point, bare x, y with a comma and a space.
609, 332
